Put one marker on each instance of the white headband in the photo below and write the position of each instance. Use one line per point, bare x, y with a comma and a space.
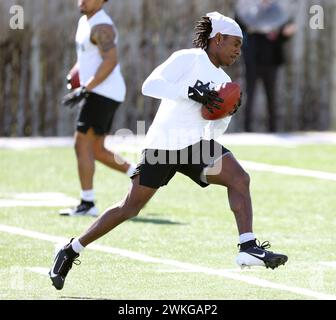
223, 25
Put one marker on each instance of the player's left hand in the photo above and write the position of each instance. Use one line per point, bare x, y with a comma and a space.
75, 97
202, 94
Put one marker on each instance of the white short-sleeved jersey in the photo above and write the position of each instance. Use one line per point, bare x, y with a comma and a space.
89, 59
178, 122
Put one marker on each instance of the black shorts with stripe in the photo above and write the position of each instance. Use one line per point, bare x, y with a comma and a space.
158, 167
96, 112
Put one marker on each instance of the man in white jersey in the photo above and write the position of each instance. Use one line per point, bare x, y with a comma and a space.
102, 91
180, 140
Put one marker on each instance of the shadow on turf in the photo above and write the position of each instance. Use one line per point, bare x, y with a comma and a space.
155, 221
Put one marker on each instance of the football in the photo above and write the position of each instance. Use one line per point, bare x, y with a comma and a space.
73, 81
230, 93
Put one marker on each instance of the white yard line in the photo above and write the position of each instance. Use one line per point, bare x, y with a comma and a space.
174, 263
39, 270
256, 166
328, 263
10, 203
246, 270
43, 199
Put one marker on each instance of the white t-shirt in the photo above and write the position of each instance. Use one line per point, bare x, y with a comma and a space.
178, 122
89, 59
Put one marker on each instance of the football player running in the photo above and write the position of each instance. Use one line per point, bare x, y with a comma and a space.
180, 140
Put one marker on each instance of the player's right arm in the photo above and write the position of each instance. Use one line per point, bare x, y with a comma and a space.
104, 37
165, 81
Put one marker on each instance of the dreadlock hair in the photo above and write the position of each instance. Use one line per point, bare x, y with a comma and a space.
203, 29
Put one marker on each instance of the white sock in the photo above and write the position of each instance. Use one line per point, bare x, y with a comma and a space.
245, 237
77, 246
87, 195
131, 169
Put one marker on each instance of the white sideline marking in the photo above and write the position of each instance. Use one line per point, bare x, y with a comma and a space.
191, 271
175, 271
136, 142
42, 199
39, 270
257, 166
177, 264
328, 263
289, 170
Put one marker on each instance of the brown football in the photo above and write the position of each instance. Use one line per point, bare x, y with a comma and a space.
73, 79
230, 93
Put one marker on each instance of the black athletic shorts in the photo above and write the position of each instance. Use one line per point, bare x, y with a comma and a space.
96, 112
158, 167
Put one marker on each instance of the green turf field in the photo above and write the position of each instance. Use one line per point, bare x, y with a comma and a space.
182, 224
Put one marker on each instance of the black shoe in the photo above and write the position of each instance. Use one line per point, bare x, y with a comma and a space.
85, 208
62, 265
257, 255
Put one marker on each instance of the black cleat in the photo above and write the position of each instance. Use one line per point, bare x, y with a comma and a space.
257, 255
85, 208
64, 259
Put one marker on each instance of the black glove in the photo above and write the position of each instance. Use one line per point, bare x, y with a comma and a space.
202, 94
75, 97
237, 105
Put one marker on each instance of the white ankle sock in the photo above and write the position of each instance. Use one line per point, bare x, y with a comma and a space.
87, 195
77, 246
245, 237
131, 169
